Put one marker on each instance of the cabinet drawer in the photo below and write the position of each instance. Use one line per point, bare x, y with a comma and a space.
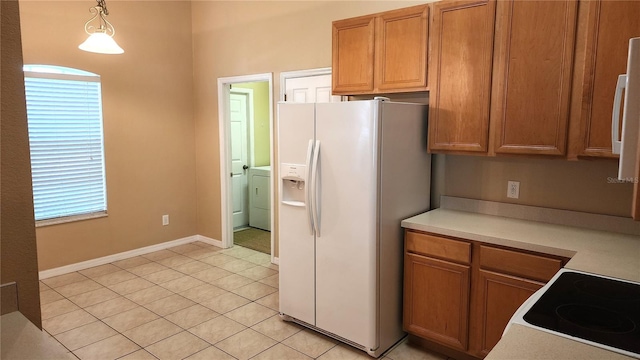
526, 265
443, 248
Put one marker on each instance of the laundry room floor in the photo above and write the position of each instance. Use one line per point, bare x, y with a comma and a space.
193, 301
253, 238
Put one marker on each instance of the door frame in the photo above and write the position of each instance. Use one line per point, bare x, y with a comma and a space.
224, 134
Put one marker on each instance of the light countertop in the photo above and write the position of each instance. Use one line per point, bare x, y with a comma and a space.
598, 252
594, 251
22, 340
522, 342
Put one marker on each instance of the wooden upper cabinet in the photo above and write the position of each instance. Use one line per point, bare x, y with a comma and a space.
609, 26
381, 53
353, 51
533, 64
527, 77
461, 39
401, 49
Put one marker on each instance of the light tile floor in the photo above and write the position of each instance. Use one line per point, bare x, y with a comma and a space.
193, 301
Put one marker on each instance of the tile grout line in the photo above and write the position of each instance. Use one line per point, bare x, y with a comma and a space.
97, 319
254, 264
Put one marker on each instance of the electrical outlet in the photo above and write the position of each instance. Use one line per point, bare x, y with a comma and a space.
513, 189
165, 220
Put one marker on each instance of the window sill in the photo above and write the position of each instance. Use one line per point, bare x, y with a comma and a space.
68, 219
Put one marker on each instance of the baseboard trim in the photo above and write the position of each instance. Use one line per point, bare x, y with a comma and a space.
45, 274
124, 255
209, 240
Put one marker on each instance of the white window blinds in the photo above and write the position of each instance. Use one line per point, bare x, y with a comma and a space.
64, 113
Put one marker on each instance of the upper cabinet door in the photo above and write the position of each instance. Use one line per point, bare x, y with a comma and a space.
532, 74
609, 28
353, 55
461, 41
401, 49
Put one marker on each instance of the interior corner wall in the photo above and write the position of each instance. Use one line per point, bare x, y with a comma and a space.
232, 38
262, 137
17, 232
149, 132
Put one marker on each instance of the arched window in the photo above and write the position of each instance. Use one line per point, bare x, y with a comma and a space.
64, 111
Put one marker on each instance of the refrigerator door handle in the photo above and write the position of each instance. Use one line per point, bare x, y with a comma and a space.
307, 191
314, 191
631, 114
615, 117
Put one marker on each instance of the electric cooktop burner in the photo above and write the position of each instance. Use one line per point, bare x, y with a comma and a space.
601, 310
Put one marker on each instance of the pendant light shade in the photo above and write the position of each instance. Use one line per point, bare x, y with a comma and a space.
101, 43
101, 34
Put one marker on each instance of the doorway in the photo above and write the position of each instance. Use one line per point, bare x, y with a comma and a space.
241, 106
308, 86
246, 154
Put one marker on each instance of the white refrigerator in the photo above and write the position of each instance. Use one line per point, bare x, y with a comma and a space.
348, 174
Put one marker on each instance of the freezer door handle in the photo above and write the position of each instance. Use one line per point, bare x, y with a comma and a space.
315, 189
307, 190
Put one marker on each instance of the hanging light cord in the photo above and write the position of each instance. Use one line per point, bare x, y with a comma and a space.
105, 26
103, 5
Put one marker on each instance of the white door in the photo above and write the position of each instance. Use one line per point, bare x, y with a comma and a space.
296, 250
308, 89
238, 105
346, 248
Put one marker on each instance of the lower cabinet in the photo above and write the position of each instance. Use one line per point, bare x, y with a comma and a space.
441, 315
460, 294
499, 297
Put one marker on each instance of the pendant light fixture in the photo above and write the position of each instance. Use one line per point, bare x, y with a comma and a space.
100, 35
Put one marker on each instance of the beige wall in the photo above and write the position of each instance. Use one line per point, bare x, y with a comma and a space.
147, 95
161, 124
262, 136
241, 38
17, 232
250, 37
559, 184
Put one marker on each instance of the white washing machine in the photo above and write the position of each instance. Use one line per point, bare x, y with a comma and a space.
260, 197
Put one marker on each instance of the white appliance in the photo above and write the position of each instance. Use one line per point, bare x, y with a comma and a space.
348, 174
260, 197
612, 300
627, 147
